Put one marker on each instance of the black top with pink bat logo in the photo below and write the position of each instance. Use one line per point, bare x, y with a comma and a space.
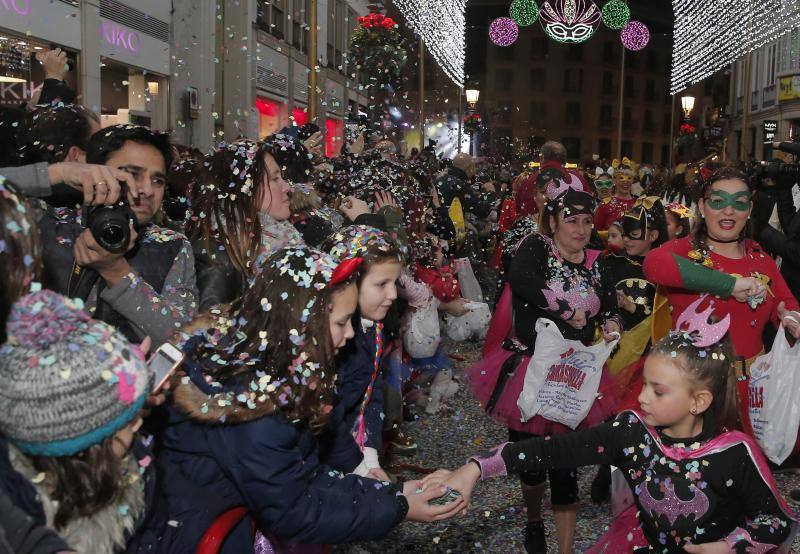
698, 490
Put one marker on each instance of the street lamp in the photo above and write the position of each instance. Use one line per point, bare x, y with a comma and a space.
472, 97
687, 103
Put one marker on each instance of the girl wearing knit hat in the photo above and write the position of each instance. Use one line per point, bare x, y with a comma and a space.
243, 440
71, 389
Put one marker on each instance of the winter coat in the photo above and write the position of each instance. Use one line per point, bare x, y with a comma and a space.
218, 281
134, 523
215, 458
355, 365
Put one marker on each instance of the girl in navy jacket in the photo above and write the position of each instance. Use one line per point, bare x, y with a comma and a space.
243, 429
360, 375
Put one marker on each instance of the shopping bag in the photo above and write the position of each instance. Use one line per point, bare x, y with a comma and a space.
470, 288
773, 399
563, 376
471, 325
422, 335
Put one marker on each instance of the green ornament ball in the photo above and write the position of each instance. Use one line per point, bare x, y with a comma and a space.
616, 14
524, 12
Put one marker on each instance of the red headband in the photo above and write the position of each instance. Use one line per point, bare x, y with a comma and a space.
345, 270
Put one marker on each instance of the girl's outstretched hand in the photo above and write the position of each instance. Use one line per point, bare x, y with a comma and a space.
719, 547
463, 480
420, 508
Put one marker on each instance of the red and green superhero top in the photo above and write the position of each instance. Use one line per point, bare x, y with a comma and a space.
610, 210
684, 272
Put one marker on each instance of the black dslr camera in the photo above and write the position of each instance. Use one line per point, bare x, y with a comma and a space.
785, 175
111, 225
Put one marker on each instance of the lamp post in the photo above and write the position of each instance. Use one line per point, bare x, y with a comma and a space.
687, 103
472, 100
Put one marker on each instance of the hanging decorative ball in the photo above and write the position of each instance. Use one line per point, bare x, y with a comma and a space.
524, 12
503, 31
616, 14
569, 21
635, 35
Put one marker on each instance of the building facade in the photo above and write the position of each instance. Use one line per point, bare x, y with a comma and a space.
205, 70
773, 93
540, 89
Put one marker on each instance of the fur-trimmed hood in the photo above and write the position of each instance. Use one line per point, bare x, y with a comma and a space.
105, 531
222, 407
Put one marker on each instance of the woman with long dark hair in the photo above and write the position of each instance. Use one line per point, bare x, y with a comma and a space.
240, 213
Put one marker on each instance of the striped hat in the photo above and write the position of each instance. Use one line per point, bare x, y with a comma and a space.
66, 381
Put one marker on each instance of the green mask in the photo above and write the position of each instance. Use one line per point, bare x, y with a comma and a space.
603, 184
719, 200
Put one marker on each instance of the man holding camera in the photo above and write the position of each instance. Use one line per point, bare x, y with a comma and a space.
132, 273
780, 238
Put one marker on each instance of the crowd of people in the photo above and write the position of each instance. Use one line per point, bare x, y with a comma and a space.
309, 305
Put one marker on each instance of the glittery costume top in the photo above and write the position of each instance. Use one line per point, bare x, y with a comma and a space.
546, 285
611, 210
701, 489
627, 275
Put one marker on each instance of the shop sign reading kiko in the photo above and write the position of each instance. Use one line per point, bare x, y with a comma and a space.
118, 36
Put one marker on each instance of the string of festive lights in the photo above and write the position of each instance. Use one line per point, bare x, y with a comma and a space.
711, 34
635, 35
524, 12
616, 14
569, 20
440, 23
503, 31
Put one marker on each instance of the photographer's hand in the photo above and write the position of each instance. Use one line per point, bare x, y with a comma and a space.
55, 63
100, 184
111, 267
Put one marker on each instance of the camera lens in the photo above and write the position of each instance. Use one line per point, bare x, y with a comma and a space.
109, 226
113, 237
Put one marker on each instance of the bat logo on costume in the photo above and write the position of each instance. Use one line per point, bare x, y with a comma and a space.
671, 506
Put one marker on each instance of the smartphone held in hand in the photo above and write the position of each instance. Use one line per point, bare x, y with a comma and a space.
163, 363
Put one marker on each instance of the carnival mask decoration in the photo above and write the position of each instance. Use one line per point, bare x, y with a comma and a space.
570, 21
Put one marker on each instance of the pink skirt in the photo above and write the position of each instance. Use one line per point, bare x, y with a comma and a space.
483, 375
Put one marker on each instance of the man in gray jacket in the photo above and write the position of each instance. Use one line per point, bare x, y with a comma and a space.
147, 289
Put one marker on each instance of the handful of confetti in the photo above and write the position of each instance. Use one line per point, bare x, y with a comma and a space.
754, 300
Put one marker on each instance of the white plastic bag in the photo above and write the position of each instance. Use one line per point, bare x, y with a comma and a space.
422, 334
563, 376
471, 325
470, 288
774, 400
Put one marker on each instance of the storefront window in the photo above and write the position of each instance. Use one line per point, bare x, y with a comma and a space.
132, 95
18, 61
272, 116
334, 129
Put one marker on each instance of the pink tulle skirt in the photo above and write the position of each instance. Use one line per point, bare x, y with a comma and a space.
483, 376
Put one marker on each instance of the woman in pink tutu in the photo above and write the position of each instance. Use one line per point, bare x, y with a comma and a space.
552, 276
